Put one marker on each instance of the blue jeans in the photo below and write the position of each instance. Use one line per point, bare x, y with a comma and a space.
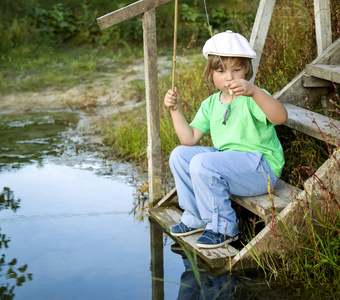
204, 178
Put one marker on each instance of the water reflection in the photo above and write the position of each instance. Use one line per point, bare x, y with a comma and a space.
196, 283
7, 200
140, 206
11, 275
157, 264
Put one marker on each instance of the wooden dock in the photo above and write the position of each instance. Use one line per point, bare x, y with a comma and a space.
167, 214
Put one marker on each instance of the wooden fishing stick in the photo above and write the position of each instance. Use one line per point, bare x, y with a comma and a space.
174, 50
175, 46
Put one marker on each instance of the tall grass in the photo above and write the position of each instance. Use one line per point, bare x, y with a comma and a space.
309, 243
290, 45
130, 141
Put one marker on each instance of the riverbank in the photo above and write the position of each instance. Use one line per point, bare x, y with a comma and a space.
95, 101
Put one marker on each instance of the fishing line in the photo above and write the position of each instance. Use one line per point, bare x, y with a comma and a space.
207, 16
227, 111
210, 31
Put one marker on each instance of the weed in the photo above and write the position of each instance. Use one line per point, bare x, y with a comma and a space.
308, 238
289, 46
127, 141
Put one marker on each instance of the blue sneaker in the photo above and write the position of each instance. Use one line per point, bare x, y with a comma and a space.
210, 239
182, 230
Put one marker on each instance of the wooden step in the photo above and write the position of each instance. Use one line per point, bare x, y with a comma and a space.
261, 206
217, 258
313, 124
309, 81
168, 217
265, 205
327, 72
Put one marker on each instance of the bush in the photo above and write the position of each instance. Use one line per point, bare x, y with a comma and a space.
57, 22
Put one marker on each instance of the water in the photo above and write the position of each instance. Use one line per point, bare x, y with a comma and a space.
69, 224
74, 227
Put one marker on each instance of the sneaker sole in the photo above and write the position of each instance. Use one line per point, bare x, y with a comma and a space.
211, 246
188, 233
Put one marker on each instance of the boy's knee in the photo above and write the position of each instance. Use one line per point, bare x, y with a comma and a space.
197, 164
176, 154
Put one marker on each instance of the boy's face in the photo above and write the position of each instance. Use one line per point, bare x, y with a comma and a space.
231, 70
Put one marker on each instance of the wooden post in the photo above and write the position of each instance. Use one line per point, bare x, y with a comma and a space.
152, 106
147, 9
260, 30
323, 28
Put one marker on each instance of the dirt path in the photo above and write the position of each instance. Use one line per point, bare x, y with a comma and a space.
99, 99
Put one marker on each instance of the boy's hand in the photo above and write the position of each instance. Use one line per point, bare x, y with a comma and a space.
242, 87
275, 112
171, 99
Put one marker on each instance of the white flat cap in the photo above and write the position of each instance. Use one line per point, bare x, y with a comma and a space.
228, 44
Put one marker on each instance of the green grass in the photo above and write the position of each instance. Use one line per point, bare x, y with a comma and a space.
310, 252
36, 68
133, 147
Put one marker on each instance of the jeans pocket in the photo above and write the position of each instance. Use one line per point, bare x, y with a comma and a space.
253, 160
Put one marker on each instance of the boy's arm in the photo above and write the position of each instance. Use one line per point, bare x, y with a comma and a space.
187, 135
274, 110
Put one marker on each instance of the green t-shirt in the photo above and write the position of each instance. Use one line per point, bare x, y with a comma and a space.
247, 129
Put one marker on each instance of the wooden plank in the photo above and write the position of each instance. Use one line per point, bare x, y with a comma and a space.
129, 12
260, 30
327, 72
323, 27
305, 121
286, 192
263, 205
152, 106
169, 199
331, 56
312, 82
169, 217
296, 93
166, 217
260, 205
